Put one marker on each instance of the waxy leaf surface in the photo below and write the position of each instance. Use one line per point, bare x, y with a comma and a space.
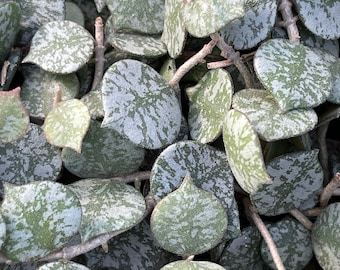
67, 265
192, 265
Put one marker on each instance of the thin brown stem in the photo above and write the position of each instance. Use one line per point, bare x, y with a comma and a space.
252, 213
4, 72
302, 218
285, 7
323, 154
219, 64
328, 190
99, 52
57, 97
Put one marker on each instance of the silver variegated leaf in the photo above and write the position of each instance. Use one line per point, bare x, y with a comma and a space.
140, 104
244, 152
246, 32
63, 265
264, 114
2, 231
209, 100
117, 154
296, 75
193, 219
40, 217
107, 206
320, 17
145, 16
293, 242
93, 101
60, 47
325, 237
202, 18
192, 265
296, 178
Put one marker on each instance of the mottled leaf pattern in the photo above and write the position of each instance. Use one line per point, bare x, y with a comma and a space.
320, 17
202, 18
244, 152
264, 114
140, 104
296, 178
147, 46
40, 87
63, 265
117, 154
2, 231
192, 265
40, 217
35, 13
9, 25
293, 242
94, 103
67, 124
134, 249
256, 24
31, 158
325, 237
173, 23
296, 75
193, 219
243, 251
14, 118
107, 206
145, 16
60, 47
208, 169
209, 100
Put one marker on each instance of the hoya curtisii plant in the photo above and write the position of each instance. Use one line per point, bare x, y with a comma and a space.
107, 98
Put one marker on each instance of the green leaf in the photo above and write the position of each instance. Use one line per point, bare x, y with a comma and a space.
107, 206
9, 25
243, 252
173, 23
2, 231
40, 217
67, 123
209, 100
60, 47
202, 18
63, 265
246, 32
74, 13
189, 221
293, 242
261, 108
244, 152
117, 154
39, 90
296, 178
325, 237
208, 169
140, 104
94, 103
134, 249
35, 13
145, 16
296, 75
320, 17
14, 119
192, 265
31, 158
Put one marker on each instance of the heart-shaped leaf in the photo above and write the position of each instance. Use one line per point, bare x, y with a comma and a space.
264, 114
145, 16
193, 219
325, 237
60, 47
63, 265
192, 265
311, 13
202, 18
40, 217
117, 154
244, 152
107, 206
173, 23
296, 178
246, 32
210, 100
14, 119
67, 124
293, 242
140, 104
296, 75
9, 25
